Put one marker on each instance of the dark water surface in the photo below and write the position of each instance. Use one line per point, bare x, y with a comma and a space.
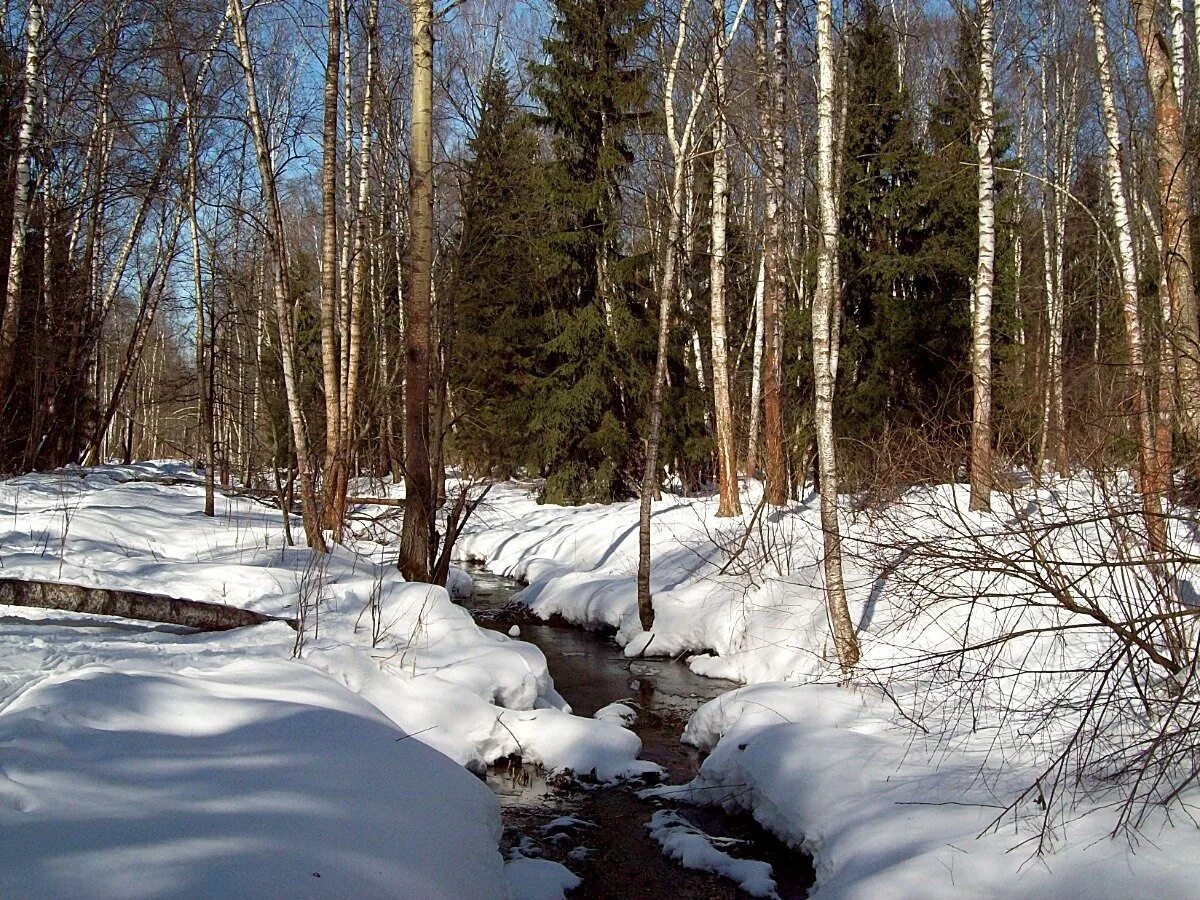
611, 849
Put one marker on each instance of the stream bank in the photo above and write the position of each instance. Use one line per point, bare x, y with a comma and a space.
599, 831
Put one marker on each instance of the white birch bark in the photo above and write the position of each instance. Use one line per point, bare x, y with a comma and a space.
10, 321
825, 310
756, 373
981, 326
277, 248
730, 503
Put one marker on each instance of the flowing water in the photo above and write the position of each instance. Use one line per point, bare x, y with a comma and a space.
608, 844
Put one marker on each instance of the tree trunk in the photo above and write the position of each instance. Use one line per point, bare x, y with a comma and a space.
277, 251
825, 310
11, 320
771, 109
96, 601
1180, 300
756, 372
330, 367
358, 278
415, 540
680, 146
1151, 483
730, 504
981, 342
204, 351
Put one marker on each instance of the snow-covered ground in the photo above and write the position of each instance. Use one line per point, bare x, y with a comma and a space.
895, 792
138, 761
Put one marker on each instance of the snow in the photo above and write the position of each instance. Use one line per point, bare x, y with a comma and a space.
884, 814
694, 849
399, 659
619, 713
886, 806
252, 778
135, 756
538, 879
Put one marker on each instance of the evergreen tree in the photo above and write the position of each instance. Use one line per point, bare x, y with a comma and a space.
591, 92
496, 284
882, 367
947, 201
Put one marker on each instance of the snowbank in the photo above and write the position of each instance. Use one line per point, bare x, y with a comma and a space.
888, 807
256, 778
886, 815
407, 650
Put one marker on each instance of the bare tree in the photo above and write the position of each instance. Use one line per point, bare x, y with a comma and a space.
730, 503
330, 367
279, 278
1176, 243
981, 311
30, 105
416, 538
825, 344
771, 82
1152, 487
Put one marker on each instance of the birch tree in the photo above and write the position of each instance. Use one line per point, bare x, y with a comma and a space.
730, 502
416, 537
981, 312
279, 279
825, 311
30, 107
330, 367
1151, 483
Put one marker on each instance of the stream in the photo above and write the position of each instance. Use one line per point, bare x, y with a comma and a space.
608, 845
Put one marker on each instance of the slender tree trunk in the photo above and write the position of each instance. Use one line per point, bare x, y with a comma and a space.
358, 278
756, 366
277, 251
10, 322
1179, 296
204, 351
680, 143
329, 271
415, 540
981, 326
825, 311
730, 503
771, 110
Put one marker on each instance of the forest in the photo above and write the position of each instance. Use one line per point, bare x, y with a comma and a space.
846, 352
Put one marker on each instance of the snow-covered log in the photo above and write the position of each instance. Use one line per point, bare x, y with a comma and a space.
130, 605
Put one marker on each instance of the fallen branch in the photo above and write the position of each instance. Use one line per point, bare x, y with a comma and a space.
96, 601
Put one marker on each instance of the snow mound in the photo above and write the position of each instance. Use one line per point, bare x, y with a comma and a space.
693, 849
259, 778
538, 879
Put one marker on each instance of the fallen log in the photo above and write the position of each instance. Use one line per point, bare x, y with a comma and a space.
96, 601
376, 501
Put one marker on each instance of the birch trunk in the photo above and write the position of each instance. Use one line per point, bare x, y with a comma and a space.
415, 540
277, 251
771, 109
329, 270
981, 325
756, 372
824, 330
730, 504
10, 322
358, 276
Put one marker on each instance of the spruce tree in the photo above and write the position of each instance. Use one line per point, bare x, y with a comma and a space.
495, 286
591, 92
881, 371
